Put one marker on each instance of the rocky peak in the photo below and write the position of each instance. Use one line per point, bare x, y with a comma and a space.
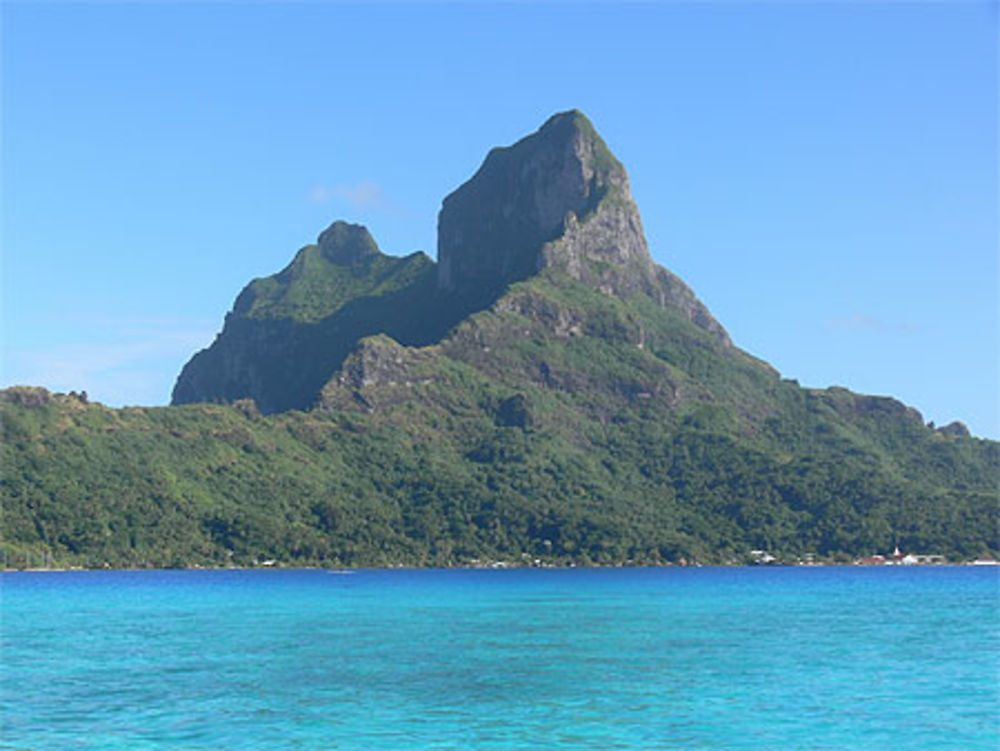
492, 228
956, 429
344, 243
26, 396
555, 199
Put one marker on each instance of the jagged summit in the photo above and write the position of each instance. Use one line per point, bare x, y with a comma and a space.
548, 394
492, 229
321, 277
555, 199
344, 243
289, 331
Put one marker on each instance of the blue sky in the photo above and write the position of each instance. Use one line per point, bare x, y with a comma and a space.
824, 175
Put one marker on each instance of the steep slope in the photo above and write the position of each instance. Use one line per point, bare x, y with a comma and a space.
580, 406
288, 332
544, 392
437, 463
557, 199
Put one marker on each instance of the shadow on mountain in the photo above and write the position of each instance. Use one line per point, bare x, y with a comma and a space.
283, 363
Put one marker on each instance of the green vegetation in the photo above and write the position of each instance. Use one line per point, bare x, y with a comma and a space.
288, 332
538, 429
498, 407
344, 266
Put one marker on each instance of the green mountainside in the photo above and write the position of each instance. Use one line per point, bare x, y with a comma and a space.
543, 392
288, 332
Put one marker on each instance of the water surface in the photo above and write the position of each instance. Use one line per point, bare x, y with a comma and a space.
713, 658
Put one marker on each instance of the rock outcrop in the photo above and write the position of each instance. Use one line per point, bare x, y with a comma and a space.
26, 396
955, 429
343, 243
288, 333
379, 373
555, 199
547, 393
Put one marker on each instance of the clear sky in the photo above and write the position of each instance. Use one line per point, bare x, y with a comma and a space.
824, 175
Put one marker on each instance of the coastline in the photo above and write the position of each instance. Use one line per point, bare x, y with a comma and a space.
504, 565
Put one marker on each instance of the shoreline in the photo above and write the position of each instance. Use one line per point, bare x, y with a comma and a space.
502, 566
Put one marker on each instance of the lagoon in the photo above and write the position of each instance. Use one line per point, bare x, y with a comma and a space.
696, 658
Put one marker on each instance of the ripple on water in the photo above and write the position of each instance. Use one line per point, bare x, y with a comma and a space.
667, 658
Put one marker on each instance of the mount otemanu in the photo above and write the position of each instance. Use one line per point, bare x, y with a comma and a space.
543, 392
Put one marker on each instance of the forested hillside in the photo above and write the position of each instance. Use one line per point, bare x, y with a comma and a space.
542, 392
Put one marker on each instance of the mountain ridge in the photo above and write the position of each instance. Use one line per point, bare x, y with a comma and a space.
579, 406
555, 199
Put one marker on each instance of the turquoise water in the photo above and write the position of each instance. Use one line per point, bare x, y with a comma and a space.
726, 658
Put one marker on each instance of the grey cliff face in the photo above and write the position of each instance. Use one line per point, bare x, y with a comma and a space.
379, 373
245, 361
289, 332
491, 230
555, 199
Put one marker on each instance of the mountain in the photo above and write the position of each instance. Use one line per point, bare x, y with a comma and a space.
560, 200
288, 332
557, 199
544, 391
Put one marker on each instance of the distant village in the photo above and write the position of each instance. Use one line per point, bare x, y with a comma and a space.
27, 560
896, 558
